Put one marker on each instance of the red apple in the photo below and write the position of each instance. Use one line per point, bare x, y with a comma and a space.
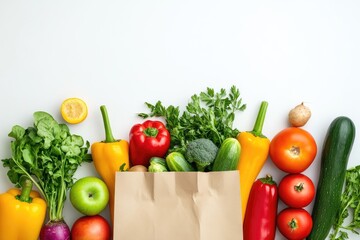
91, 228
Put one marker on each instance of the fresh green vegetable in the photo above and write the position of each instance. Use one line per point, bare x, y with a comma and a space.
177, 162
48, 154
208, 115
202, 152
350, 206
334, 159
228, 156
157, 165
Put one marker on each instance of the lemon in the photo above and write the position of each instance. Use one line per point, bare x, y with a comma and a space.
74, 110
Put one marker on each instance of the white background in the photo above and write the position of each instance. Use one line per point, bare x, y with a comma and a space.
123, 53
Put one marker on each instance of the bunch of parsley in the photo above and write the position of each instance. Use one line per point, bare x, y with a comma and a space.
208, 115
49, 155
348, 217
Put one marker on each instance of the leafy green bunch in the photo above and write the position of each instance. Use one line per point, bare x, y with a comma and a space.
348, 218
208, 115
49, 155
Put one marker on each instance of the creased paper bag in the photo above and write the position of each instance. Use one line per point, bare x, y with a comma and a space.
177, 206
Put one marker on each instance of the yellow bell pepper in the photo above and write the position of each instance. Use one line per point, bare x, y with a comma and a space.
22, 213
254, 152
110, 156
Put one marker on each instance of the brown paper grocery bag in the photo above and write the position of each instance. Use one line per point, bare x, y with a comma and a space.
177, 206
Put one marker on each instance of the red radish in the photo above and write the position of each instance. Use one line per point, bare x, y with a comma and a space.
55, 230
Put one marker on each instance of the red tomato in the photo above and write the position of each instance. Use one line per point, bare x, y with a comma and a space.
91, 228
296, 190
293, 150
294, 223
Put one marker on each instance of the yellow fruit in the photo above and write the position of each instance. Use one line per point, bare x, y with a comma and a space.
74, 110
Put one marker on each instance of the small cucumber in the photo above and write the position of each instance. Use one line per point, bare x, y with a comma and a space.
227, 157
157, 164
334, 159
177, 162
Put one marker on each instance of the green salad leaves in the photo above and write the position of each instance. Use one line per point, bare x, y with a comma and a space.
49, 155
208, 115
348, 218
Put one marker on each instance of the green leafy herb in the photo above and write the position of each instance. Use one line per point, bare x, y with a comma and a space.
49, 155
208, 115
348, 218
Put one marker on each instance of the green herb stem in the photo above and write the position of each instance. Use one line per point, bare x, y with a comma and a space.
36, 183
108, 132
340, 221
52, 206
60, 199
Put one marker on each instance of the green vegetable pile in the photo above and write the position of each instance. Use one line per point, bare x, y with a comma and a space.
348, 218
208, 115
49, 155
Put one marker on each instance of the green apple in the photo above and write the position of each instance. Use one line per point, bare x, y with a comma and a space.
89, 195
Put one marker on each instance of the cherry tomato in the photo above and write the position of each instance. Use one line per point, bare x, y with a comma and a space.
293, 150
294, 223
296, 190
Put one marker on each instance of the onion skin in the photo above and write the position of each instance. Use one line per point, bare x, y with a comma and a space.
55, 230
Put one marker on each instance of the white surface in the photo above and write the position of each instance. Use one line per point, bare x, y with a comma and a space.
123, 53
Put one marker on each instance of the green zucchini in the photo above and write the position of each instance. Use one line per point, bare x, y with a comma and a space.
334, 159
227, 157
177, 162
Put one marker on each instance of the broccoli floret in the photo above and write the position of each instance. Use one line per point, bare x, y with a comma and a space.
202, 152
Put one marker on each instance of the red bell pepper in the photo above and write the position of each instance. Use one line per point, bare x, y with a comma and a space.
261, 210
147, 140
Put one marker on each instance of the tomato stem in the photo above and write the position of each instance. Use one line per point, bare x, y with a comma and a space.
293, 224
299, 187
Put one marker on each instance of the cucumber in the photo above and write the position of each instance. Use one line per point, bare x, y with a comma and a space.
177, 162
157, 164
334, 159
227, 157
